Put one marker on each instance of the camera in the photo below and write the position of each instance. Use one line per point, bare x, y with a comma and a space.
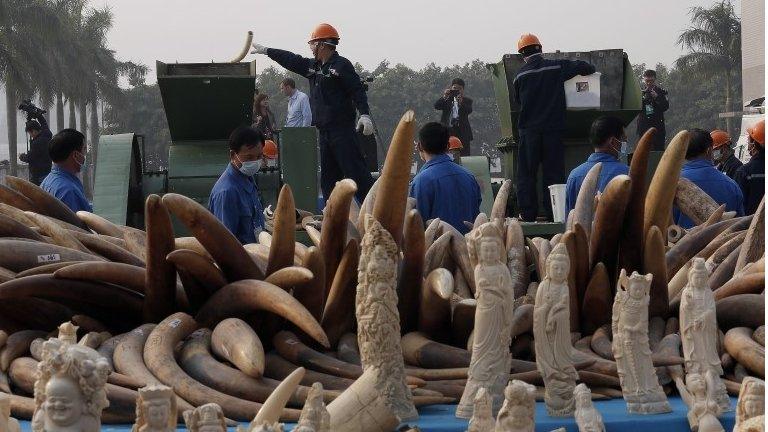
31, 109
453, 93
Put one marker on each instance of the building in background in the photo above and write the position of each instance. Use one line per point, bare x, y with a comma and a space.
752, 50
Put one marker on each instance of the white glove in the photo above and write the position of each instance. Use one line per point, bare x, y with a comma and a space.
258, 49
365, 124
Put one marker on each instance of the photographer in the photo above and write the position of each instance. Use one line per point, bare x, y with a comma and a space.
37, 158
652, 114
456, 109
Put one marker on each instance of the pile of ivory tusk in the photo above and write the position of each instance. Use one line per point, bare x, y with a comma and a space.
221, 322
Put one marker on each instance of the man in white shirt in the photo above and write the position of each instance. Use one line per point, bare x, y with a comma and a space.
299, 112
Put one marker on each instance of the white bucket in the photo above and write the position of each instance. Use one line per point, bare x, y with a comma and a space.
557, 196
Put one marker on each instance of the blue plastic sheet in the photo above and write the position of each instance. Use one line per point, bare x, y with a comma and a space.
440, 418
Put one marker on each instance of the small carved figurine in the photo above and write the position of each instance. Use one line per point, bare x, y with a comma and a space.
69, 391
631, 348
517, 414
7, 423
314, 416
205, 418
482, 418
699, 332
552, 332
155, 409
378, 320
751, 400
491, 360
588, 418
703, 409
68, 333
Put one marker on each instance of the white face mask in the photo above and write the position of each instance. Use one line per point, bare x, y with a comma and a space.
249, 168
716, 154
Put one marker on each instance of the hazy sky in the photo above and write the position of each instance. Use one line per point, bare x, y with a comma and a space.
412, 32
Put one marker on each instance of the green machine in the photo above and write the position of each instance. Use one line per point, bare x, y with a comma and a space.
203, 103
620, 96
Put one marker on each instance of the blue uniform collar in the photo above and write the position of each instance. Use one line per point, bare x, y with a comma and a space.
238, 177
698, 163
436, 160
62, 172
602, 157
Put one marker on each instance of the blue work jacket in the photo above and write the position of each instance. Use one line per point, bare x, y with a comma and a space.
67, 188
716, 184
611, 167
446, 190
235, 202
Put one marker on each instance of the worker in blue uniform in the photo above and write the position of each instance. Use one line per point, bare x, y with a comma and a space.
700, 170
335, 93
235, 198
67, 151
442, 188
538, 88
608, 137
751, 176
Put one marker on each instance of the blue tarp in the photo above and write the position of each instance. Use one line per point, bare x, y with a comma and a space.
440, 418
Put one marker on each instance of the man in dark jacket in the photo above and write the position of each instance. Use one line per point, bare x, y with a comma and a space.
456, 109
38, 159
652, 114
751, 176
336, 93
722, 153
538, 87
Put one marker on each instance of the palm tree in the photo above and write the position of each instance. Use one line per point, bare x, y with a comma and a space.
24, 27
714, 40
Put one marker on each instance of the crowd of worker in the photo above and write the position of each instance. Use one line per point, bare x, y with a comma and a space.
338, 107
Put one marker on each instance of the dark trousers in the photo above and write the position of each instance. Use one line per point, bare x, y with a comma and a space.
38, 177
536, 148
341, 157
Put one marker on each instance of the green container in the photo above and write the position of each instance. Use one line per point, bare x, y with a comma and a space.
620, 96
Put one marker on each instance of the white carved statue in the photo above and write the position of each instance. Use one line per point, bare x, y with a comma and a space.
7, 423
491, 360
68, 333
703, 409
637, 376
205, 418
751, 402
552, 333
517, 414
378, 320
314, 416
155, 409
482, 418
69, 391
699, 331
588, 418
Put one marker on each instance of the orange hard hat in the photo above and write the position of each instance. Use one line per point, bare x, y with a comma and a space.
757, 132
454, 143
324, 31
527, 40
270, 149
719, 138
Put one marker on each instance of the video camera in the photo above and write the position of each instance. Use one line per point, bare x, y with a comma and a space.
32, 110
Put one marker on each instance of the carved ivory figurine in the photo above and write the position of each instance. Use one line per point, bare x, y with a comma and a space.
587, 417
552, 333
699, 333
378, 320
68, 333
155, 409
751, 401
703, 409
517, 414
314, 416
205, 418
482, 417
7, 423
69, 391
631, 349
492, 335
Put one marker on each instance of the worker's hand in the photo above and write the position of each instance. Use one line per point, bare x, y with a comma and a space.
258, 49
365, 124
447, 93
